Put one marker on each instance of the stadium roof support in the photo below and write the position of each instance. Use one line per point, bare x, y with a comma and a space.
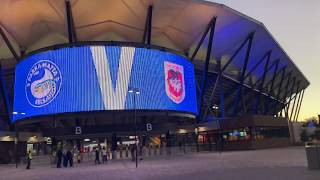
268, 69
239, 96
206, 67
221, 91
287, 87
289, 101
213, 20
271, 90
249, 37
274, 77
279, 89
4, 95
259, 98
71, 29
6, 40
267, 54
216, 84
298, 96
294, 102
271, 82
297, 115
148, 27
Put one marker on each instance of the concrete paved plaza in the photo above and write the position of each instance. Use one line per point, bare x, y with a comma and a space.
285, 164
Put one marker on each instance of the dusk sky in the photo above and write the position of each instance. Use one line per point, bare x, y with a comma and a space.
295, 24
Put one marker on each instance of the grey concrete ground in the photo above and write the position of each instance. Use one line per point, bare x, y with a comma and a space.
285, 164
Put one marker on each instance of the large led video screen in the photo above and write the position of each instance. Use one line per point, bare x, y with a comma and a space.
95, 78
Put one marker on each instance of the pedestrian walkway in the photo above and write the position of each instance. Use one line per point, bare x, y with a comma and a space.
284, 163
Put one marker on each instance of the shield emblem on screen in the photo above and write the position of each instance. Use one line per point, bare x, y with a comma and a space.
174, 81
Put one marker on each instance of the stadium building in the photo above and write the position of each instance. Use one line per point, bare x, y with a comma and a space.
171, 73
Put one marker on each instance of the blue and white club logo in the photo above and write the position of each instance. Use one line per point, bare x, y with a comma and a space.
43, 83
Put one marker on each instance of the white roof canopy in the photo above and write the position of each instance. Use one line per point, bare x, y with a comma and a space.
176, 24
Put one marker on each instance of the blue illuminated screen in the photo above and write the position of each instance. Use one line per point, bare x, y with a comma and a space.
93, 78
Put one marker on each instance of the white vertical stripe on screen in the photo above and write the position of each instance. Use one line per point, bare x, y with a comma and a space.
113, 99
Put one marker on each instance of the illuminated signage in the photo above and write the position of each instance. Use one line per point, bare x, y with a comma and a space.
94, 78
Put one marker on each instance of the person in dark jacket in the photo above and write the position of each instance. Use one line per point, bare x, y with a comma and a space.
65, 159
70, 158
59, 155
97, 152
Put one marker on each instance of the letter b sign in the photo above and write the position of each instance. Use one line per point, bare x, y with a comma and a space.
149, 127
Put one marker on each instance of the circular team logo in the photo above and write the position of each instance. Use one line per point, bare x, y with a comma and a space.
43, 83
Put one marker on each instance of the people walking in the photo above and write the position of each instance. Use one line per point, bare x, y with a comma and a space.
29, 158
132, 149
104, 155
97, 153
69, 158
65, 159
59, 155
78, 157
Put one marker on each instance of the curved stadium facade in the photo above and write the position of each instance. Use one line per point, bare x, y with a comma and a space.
237, 80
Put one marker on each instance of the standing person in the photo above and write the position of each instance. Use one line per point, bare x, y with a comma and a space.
79, 157
97, 152
127, 154
59, 155
29, 158
65, 159
104, 155
132, 152
69, 158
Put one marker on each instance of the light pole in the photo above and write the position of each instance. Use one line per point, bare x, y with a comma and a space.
135, 92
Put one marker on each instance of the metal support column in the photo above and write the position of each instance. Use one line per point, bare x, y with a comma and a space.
298, 102
148, 27
279, 90
267, 54
260, 79
297, 116
286, 92
288, 103
5, 96
213, 21
294, 102
258, 98
71, 29
270, 93
221, 91
8, 44
206, 67
243, 72
231, 90
248, 38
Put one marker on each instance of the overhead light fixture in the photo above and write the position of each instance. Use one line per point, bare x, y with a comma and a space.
215, 107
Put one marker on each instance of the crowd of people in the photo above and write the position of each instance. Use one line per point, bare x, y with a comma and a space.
64, 157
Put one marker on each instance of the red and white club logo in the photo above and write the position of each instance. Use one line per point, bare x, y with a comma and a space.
174, 81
